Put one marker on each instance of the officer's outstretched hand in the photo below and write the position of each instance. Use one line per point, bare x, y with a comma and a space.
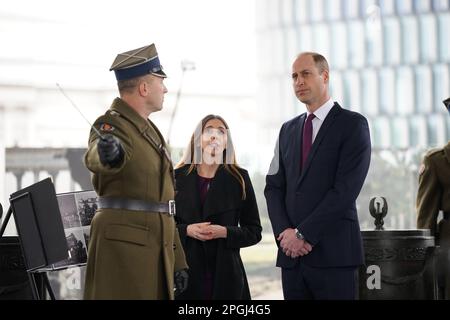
110, 151
181, 281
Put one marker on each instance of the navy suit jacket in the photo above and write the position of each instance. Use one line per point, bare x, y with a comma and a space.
320, 200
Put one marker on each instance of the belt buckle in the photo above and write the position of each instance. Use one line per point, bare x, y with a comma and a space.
172, 208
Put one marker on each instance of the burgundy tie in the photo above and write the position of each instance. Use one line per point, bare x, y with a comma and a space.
307, 138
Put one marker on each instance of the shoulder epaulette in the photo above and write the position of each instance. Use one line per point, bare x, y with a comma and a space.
434, 151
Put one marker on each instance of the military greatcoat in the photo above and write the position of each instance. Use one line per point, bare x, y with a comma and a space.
132, 254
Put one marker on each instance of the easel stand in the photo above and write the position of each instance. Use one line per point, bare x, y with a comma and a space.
40, 232
39, 281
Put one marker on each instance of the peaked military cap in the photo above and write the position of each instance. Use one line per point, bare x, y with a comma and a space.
137, 62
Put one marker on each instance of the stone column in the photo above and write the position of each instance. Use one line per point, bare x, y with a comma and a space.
18, 174
54, 174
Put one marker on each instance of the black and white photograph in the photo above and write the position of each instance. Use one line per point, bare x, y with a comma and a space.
77, 210
68, 209
77, 253
86, 206
86, 234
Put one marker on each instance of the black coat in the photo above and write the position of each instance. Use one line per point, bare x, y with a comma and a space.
223, 206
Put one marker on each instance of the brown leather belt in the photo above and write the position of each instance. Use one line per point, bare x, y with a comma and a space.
137, 205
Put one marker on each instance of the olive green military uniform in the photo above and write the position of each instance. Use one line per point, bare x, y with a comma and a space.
434, 195
132, 254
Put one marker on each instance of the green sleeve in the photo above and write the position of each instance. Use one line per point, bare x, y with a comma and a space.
428, 196
118, 128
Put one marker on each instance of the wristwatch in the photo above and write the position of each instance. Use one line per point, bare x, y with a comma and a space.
299, 235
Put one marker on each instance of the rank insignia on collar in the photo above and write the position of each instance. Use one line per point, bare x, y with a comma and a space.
106, 127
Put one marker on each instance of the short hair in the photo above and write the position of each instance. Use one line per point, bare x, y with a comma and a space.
319, 60
127, 85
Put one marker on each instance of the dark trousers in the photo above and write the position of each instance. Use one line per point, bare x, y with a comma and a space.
310, 283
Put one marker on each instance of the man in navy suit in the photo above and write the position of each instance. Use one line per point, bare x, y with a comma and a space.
320, 164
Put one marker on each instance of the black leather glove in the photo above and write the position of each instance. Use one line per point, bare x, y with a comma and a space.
181, 278
110, 151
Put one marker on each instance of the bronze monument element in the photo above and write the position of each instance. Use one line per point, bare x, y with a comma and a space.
378, 213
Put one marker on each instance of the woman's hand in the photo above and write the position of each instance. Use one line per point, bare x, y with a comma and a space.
216, 231
204, 231
198, 231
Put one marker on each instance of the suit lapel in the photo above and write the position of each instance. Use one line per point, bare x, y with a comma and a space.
298, 133
334, 112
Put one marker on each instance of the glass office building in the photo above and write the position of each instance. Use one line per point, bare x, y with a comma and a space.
389, 60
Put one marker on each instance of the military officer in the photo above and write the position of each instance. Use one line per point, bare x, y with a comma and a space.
434, 196
134, 247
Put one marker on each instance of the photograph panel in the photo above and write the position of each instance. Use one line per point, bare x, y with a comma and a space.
68, 209
86, 205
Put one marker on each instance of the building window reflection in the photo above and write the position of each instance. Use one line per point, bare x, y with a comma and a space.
301, 9
356, 44
400, 133
351, 8
286, 11
436, 130
370, 92
316, 11
391, 34
404, 7
277, 40
422, 6
427, 38
440, 5
332, 9
387, 91
418, 134
336, 86
352, 90
381, 132
405, 89
444, 45
388, 58
367, 7
441, 86
448, 127
410, 43
274, 14
321, 39
373, 35
387, 7
338, 57
305, 38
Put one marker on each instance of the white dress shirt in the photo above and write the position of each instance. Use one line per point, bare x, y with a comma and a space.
320, 115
